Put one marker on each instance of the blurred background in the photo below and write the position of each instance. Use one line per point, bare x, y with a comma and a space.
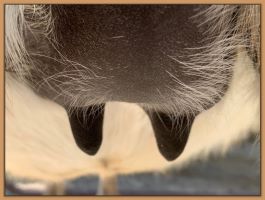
236, 173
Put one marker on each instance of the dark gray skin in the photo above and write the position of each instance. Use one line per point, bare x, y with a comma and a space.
125, 48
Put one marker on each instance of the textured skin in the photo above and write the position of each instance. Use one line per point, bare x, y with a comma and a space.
127, 53
124, 52
39, 138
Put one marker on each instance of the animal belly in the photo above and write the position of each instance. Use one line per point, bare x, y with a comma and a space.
40, 145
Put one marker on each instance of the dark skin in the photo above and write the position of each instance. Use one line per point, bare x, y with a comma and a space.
124, 49
86, 125
171, 135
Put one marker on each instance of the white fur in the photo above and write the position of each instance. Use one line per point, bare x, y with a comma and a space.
39, 142
40, 145
16, 55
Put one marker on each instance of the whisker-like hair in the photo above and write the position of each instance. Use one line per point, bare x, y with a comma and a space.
237, 26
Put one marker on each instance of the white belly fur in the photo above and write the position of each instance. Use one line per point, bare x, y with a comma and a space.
40, 145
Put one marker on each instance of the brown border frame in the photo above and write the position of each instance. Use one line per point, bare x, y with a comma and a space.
123, 2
